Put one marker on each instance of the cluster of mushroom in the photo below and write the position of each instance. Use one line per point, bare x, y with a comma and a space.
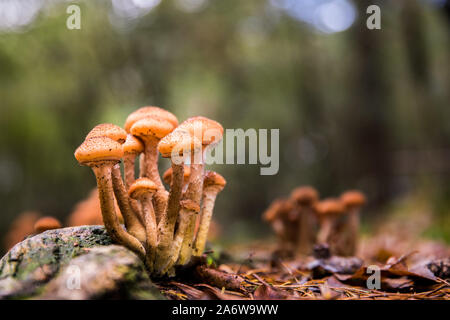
302, 221
160, 225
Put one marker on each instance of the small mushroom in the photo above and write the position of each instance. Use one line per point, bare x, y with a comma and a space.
213, 183
209, 133
328, 211
304, 199
46, 223
353, 200
151, 130
143, 190
101, 154
277, 215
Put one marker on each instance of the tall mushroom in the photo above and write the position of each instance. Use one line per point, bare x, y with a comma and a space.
213, 183
304, 199
143, 190
209, 133
151, 130
328, 211
177, 145
353, 200
101, 154
131, 217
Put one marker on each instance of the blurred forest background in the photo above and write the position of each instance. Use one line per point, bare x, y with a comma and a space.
356, 108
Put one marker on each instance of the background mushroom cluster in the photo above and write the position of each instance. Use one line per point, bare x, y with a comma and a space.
302, 221
164, 227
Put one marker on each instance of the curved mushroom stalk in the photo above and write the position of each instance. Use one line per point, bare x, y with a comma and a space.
325, 230
143, 190
115, 230
132, 220
166, 226
213, 184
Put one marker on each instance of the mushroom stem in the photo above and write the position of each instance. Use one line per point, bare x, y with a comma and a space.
150, 170
167, 223
150, 228
105, 191
208, 200
132, 221
303, 245
194, 193
174, 253
128, 169
353, 231
325, 230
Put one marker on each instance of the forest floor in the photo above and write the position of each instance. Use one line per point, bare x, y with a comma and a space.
407, 269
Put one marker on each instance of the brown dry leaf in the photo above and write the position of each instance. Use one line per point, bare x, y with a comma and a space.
220, 278
212, 293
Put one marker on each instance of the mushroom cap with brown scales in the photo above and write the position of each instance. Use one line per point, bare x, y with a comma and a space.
149, 111
179, 139
167, 176
98, 149
353, 199
152, 126
132, 145
46, 223
329, 207
211, 131
190, 205
305, 195
108, 130
212, 178
141, 187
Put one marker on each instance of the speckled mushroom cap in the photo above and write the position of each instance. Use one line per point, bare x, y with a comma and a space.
108, 130
98, 149
142, 186
179, 139
46, 223
133, 145
305, 195
204, 129
330, 207
167, 176
353, 199
149, 111
212, 178
190, 205
152, 126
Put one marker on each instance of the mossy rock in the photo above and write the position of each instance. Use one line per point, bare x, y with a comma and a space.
73, 263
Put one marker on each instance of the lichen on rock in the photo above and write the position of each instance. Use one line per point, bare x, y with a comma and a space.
42, 267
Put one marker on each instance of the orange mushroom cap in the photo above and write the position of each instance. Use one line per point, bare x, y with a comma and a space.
98, 149
204, 129
108, 130
46, 223
180, 140
152, 126
133, 145
353, 199
305, 195
149, 111
212, 178
330, 207
141, 187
